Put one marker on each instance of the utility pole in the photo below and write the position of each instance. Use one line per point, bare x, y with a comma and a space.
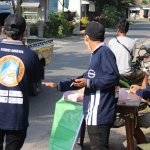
19, 2
13, 5
100, 7
63, 5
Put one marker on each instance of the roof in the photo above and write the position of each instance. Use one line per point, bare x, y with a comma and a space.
30, 5
147, 6
84, 2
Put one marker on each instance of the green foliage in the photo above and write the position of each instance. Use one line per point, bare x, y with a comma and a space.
83, 22
99, 4
145, 1
33, 29
110, 16
58, 26
131, 22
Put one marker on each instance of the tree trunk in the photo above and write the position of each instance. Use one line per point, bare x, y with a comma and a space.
13, 5
100, 6
19, 2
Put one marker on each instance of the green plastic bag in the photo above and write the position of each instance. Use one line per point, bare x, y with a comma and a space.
144, 146
68, 118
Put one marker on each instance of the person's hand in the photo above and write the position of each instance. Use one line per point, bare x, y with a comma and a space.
80, 82
50, 84
134, 88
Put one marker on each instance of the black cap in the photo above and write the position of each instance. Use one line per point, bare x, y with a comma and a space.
95, 31
16, 23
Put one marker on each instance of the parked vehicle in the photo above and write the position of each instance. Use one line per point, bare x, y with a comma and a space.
141, 63
5, 10
44, 50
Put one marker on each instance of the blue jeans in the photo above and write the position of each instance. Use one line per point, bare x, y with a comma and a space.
99, 136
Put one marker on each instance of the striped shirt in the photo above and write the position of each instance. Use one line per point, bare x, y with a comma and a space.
99, 105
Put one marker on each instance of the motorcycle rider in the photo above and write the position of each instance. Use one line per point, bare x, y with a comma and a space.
124, 49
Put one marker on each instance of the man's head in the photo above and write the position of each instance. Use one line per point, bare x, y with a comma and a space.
14, 27
94, 34
123, 26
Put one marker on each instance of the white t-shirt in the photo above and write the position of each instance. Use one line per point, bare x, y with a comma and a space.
123, 58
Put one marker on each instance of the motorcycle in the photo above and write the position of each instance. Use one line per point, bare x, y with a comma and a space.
142, 62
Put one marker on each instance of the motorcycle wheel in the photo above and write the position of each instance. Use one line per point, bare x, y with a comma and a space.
119, 121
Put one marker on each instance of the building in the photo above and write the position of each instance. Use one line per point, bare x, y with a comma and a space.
79, 7
36, 11
134, 11
147, 10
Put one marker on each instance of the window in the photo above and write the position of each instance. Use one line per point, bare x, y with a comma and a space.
53, 5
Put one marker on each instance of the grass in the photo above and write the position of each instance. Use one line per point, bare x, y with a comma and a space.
131, 22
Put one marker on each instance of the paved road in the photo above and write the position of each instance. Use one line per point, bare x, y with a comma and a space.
71, 59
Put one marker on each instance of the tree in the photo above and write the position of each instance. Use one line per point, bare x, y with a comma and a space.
19, 2
116, 3
144, 1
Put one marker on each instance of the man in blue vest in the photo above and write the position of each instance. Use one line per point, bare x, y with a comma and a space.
100, 79
19, 66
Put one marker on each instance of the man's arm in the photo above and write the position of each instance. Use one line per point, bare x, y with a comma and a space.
144, 93
63, 86
111, 74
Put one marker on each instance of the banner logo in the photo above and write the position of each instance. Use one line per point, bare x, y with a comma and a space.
91, 73
11, 70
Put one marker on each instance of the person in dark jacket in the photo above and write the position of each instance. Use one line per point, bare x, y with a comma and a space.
100, 79
144, 120
19, 66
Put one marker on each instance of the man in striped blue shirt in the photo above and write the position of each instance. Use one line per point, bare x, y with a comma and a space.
100, 79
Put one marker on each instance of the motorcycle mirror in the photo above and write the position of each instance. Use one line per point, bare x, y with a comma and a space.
146, 48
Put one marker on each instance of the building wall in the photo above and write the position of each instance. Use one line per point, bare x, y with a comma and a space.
73, 6
53, 5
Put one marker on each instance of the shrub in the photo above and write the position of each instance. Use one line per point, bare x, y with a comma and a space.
58, 26
33, 29
110, 16
83, 22
72, 25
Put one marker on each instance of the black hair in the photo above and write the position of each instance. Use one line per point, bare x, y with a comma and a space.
123, 25
102, 39
97, 19
12, 34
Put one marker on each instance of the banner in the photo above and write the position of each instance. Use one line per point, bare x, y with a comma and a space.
91, 6
67, 121
67, 4
53, 5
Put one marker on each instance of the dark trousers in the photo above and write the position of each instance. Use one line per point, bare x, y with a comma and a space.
99, 136
14, 139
